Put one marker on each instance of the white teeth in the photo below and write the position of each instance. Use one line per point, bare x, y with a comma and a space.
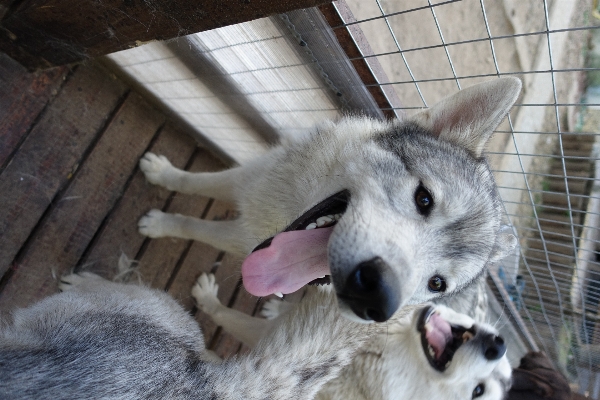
429, 317
278, 294
431, 351
447, 365
324, 220
467, 336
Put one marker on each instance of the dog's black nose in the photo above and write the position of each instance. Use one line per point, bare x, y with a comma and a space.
493, 347
372, 291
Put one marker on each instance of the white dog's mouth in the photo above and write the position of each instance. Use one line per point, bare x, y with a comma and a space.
298, 255
440, 340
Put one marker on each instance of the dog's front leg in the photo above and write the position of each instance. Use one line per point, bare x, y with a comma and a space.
224, 235
243, 327
220, 185
305, 349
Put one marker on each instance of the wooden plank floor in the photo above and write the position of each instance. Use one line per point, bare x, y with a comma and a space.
71, 191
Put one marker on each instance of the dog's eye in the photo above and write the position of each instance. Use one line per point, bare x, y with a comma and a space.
479, 390
423, 200
436, 284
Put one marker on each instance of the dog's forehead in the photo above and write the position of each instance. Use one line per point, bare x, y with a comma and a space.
498, 382
425, 157
462, 187
495, 376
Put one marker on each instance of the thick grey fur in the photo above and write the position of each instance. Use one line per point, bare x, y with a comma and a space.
105, 340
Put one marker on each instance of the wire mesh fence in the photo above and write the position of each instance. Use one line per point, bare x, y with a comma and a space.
544, 159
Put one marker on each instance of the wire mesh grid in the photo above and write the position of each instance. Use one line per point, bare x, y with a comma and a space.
545, 160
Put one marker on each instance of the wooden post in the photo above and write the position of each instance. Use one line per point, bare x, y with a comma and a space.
355, 44
47, 33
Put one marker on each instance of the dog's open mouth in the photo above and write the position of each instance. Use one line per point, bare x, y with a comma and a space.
439, 339
298, 255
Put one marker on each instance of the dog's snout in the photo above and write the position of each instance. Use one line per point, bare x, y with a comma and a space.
372, 291
493, 347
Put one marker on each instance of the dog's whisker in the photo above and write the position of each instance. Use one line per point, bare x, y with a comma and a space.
500, 317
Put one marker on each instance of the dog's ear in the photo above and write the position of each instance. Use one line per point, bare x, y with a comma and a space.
536, 378
528, 385
536, 359
504, 245
469, 117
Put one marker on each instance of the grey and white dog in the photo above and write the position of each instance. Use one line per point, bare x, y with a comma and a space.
407, 211
430, 352
106, 340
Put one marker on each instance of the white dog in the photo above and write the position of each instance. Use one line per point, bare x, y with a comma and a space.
407, 210
431, 352
105, 340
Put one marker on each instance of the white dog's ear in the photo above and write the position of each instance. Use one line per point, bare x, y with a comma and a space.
469, 117
505, 244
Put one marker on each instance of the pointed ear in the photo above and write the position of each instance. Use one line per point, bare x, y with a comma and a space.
469, 117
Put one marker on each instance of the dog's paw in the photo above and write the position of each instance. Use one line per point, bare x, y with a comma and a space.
272, 308
156, 168
153, 224
205, 292
68, 282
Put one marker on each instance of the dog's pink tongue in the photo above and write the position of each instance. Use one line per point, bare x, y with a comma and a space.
291, 261
438, 334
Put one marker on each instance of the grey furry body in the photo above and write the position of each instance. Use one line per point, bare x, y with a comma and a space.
101, 339
381, 165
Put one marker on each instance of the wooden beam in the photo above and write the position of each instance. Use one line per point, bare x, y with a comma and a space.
356, 46
43, 33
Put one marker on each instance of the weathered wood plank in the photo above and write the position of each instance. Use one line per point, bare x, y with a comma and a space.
161, 255
120, 233
51, 153
64, 31
201, 257
23, 96
65, 233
